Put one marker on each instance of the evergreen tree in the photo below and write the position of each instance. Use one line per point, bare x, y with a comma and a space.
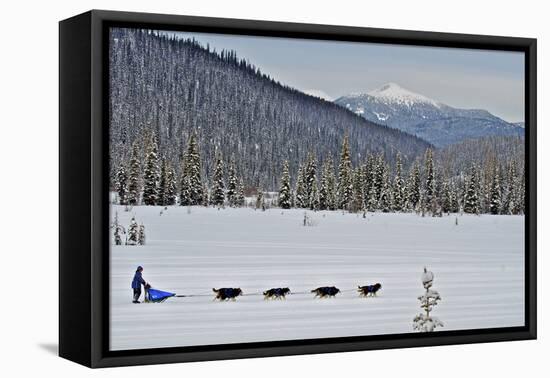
425, 322
162, 183
218, 184
133, 233
413, 187
310, 180
141, 235
314, 197
240, 194
232, 184
323, 191
151, 173
447, 201
191, 186
285, 200
430, 189
398, 186
357, 202
345, 176
301, 195
471, 200
121, 185
170, 185
495, 193
331, 186
385, 193
134, 176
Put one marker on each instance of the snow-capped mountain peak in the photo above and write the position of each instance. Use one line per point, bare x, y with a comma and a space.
394, 93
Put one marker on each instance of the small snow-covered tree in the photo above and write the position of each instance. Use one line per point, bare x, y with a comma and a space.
134, 176
285, 200
314, 197
118, 229
122, 185
425, 322
133, 233
141, 235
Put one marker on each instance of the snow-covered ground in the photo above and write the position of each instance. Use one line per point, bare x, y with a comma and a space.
478, 266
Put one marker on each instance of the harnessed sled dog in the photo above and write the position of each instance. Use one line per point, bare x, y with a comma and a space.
276, 293
369, 290
226, 293
325, 291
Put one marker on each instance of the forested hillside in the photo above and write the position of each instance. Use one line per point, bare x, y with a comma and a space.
173, 88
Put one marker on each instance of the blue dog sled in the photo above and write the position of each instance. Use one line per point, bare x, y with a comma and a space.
157, 296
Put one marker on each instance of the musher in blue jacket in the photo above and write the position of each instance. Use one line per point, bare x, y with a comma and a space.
136, 284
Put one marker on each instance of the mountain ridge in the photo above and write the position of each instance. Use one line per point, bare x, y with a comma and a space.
431, 120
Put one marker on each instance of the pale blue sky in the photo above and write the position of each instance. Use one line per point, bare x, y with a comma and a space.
464, 78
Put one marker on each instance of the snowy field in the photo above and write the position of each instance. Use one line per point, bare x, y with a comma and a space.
478, 266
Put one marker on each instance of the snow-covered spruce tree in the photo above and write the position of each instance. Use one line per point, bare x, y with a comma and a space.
446, 201
398, 186
331, 185
471, 200
372, 204
151, 173
301, 195
310, 178
385, 193
495, 193
133, 233
122, 185
314, 197
240, 193
232, 184
357, 204
134, 176
413, 188
430, 188
218, 184
118, 229
323, 189
141, 235
162, 183
367, 178
191, 186
345, 190
285, 200
424, 322
205, 195
170, 189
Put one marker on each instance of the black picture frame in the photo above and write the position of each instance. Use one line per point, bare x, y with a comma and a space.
83, 202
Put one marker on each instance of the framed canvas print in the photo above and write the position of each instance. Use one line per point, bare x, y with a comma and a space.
234, 188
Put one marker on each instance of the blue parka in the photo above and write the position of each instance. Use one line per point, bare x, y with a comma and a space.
137, 281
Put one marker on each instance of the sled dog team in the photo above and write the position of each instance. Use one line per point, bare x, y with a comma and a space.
231, 293
226, 293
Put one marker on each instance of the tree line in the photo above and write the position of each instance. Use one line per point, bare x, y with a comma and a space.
493, 186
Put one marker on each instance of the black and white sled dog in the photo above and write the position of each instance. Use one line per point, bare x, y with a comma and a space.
325, 291
276, 293
369, 290
226, 293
